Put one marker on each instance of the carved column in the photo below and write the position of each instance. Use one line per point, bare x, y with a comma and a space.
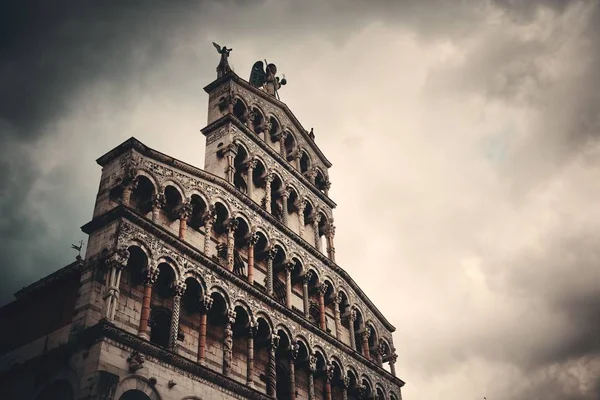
268, 181
115, 263
322, 319
272, 373
305, 295
209, 219
297, 157
336, 312
251, 244
184, 214
231, 227
150, 276
326, 187
345, 386
282, 149
311, 174
158, 202
393, 359
251, 165
250, 120
253, 329
228, 343
352, 333
272, 252
294, 347
330, 233
316, 220
127, 190
380, 351
179, 289
301, 206
312, 369
285, 195
328, 378
365, 341
230, 153
288, 268
205, 305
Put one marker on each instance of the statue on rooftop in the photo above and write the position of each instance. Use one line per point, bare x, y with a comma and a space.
223, 66
266, 79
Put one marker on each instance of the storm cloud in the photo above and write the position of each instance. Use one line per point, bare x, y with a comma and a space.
464, 137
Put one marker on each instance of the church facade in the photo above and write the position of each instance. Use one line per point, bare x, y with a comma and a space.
213, 283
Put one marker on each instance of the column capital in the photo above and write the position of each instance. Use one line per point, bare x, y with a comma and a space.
206, 303
307, 277
366, 333
338, 298
323, 289
151, 275
269, 177
330, 230
288, 266
179, 288
301, 203
329, 371
185, 211
253, 239
294, 349
353, 315
232, 224
393, 358
251, 163
118, 258
252, 328
231, 316
274, 342
210, 216
272, 253
312, 363
158, 201
346, 382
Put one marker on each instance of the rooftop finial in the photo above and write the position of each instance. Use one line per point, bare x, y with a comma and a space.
223, 66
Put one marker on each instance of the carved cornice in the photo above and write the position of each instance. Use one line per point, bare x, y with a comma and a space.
190, 251
271, 99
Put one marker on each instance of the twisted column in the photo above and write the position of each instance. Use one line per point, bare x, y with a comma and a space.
184, 214
316, 220
251, 245
288, 267
272, 252
294, 348
285, 195
322, 319
352, 333
282, 149
228, 343
251, 165
205, 305
272, 372
231, 228
115, 263
179, 289
365, 342
209, 219
305, 295
336, 312
253, 329
329, 234
150, 277
268, 181
312, 369
158, 202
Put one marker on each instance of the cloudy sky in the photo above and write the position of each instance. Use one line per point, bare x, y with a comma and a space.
464, 137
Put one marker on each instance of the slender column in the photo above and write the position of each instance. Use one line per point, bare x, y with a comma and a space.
250, 120
329, 234
253, 329
301, 206
268, 182
352, 333
305, 295
230, 153
209, 219
294, 348
288, 267
272, 373
150, 277
115, 263
231, 226
297, 157
179, 289
365, 342
345, 386
322, 319
312, 369
184, 214
336, 312
326, 187
282, 149
127, 190
316, 220
311, 174
228, 343
270, 257
158, 202
251, 244
205, 305
250, 172
328, 378
393, 359
285, 194
380, 351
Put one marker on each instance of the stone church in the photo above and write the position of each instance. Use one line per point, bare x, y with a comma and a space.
214, 283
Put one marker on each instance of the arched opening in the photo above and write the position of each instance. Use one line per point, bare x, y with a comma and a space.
275, 128
313, 298
304, 163
161, 305
260, 261
320, 376
344, 310
259, 174
279, 274
386, 354
290, 145
240, 110
132, 277
57, 390
134, 394
239, 162
323, 222
302, 371
366, 388
141, 197
292, 205
199, 208
276, 202
353, 387
240, 328
215, 332
173, 200
220, 230
337, 388
240, 253
329, 308
297, 275
283, 383
160, 324
379, 394
357, 330
320, 181
373, 343
189, 320
258, 121
261, 354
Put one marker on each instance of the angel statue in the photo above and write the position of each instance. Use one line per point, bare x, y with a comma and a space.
223, 66
265, 78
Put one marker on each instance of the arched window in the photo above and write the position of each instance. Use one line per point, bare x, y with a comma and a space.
141, 197
160, 324
239, 163
240, 110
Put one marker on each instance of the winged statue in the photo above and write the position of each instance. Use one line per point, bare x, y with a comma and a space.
265, 78
223, 66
